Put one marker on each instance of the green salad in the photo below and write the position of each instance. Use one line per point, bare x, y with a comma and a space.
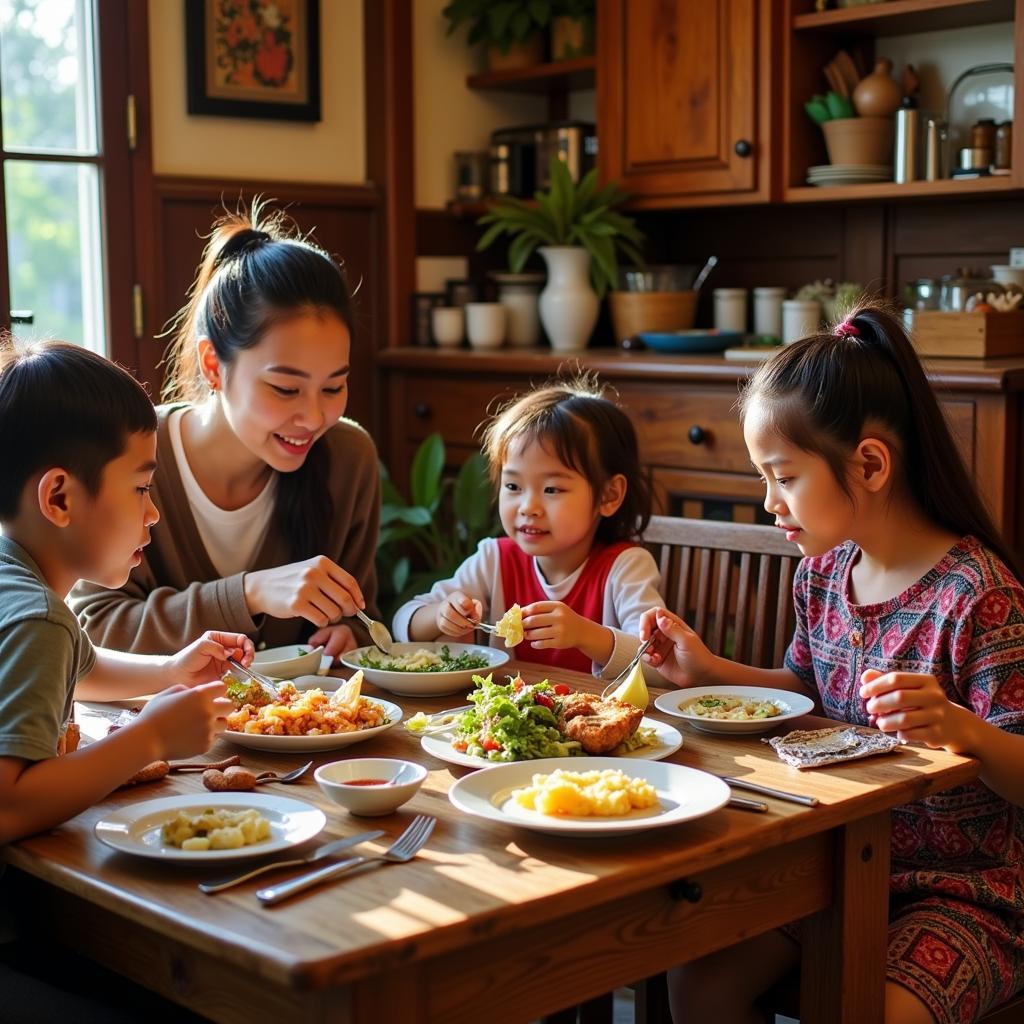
514, 722
424, 660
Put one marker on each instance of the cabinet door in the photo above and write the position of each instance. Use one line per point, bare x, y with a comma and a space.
678, 95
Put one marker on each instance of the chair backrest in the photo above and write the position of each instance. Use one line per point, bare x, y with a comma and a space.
732, 582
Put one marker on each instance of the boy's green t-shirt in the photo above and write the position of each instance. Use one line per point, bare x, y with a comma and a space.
43, 654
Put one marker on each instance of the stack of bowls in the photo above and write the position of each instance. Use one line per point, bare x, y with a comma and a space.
656, 298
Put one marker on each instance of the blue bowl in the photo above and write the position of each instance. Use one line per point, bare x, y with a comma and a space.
695, 341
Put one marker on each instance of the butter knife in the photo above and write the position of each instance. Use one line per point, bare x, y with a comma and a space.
327, 850
779, 794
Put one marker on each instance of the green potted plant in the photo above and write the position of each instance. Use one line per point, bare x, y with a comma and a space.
580, 233
512, 30
429, 536
572, 29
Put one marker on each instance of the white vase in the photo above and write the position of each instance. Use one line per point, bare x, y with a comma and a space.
568, 304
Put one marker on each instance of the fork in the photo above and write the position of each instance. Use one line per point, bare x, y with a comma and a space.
265, 682
378, 631
641, 651
403, 849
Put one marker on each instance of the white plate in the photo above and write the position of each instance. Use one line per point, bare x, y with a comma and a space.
286, 662
136, 828
683, 794
427, 684
332, 741
669, 740
793, 706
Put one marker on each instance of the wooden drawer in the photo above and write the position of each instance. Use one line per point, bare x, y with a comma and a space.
454, 406
687, 427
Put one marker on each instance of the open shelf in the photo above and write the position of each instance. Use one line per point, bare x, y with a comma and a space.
912, 189
477, 207
898, 17
558, 76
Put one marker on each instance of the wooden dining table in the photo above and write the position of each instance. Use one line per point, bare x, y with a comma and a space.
492, 921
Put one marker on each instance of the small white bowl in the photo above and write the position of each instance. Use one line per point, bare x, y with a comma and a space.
370, 801
286, 662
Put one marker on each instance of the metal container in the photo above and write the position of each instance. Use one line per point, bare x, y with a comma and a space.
573, 142
470, 175
905, 157
934, 147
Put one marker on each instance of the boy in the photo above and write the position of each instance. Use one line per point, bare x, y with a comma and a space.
76, 460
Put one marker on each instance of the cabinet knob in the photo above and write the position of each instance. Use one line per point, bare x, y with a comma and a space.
696, 434
686, 890
421, 410
743, 148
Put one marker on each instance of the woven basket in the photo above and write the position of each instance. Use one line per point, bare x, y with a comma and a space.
633, 312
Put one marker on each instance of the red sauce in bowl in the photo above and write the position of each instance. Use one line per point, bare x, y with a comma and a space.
367, 782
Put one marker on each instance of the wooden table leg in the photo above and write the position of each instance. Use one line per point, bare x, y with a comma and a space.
844, 947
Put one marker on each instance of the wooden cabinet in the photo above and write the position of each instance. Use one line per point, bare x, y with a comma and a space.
684, 92
684, 412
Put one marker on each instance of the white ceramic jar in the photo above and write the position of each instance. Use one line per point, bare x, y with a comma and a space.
485, 324
768, 312
800, 317
447, 326
520, 294
731, 309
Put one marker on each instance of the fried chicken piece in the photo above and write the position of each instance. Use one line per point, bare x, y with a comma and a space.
599, 724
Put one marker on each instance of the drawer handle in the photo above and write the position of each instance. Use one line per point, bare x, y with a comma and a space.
421, 410
743, 148
686, 890
696, 434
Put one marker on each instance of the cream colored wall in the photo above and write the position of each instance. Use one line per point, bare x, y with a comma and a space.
332, 150
448, 116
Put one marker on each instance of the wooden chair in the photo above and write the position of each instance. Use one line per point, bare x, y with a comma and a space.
732, 582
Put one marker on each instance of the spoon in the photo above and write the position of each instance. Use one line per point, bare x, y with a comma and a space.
378, 631
704, 271
292, 776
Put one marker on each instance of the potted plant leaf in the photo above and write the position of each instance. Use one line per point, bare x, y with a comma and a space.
512, 30
572, 29
580, 233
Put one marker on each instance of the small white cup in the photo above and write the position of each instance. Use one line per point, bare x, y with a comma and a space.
485, 324
731, 309
800, 317
448, 326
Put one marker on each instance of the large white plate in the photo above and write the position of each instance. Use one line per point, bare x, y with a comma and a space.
332, 741
669, 741
136, 828
427, 684
683, 794
793, 706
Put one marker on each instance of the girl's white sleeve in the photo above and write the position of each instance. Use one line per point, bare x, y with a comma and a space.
479, 577
633, 586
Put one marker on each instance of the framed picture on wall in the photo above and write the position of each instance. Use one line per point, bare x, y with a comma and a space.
254, 58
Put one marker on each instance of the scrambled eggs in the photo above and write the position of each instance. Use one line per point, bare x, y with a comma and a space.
605, 794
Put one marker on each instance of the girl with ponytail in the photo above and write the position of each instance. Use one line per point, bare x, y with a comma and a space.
269, 499
910, 619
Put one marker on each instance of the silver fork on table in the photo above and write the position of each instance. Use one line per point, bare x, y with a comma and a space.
403, 849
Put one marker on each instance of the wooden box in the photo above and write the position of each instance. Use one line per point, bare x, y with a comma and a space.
968, 335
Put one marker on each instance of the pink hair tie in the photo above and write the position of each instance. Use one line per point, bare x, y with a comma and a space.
846, 330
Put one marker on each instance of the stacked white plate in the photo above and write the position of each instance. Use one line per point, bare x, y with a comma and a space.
848, 174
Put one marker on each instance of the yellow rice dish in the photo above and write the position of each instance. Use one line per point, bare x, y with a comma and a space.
604, 794
312, 713
732, 709
216, 830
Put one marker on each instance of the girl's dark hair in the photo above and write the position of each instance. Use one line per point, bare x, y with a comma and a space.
589, 434
256, 273
62, 405
825, 391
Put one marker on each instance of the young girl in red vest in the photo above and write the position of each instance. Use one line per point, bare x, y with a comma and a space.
909, 617
572, 503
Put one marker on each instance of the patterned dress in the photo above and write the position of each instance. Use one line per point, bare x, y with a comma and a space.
956, 932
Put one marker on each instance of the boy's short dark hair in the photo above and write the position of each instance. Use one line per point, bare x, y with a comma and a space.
62, 405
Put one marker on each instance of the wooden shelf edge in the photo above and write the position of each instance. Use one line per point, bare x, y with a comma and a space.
950, 187
927, 15
577, 73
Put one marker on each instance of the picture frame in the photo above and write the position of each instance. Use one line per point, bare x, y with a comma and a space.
253, 58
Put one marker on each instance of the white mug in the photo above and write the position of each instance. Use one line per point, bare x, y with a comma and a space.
448, 326
800, 317
485, 324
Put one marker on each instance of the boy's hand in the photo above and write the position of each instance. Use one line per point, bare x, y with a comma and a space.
185, 720
678, 653
554, 625
337, 640
206, 658
915, 707
457, 615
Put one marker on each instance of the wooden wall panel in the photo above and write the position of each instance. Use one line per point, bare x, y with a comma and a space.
345, 220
